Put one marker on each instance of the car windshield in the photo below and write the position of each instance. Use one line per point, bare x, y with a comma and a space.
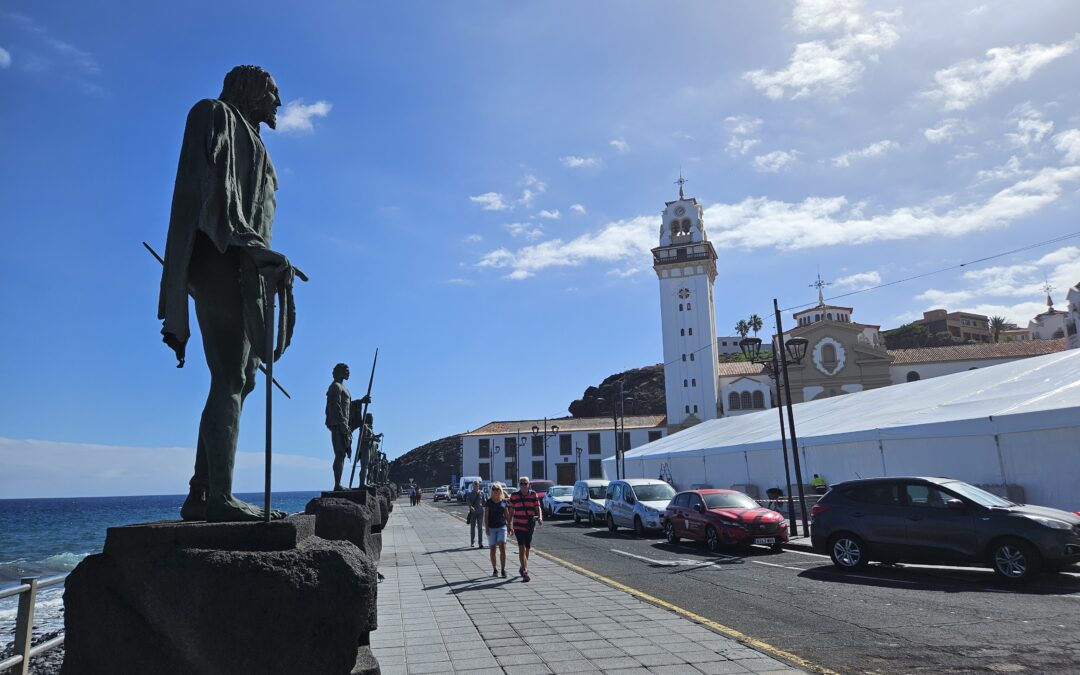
732, 500
540, 485
561, 491
598, 492
977, 495
657, 492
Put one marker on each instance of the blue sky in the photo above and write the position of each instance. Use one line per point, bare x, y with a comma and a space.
473, 188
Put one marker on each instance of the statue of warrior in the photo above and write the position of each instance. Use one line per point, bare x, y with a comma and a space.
369, 445
218, 250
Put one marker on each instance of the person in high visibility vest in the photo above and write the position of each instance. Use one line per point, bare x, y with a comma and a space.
819, 485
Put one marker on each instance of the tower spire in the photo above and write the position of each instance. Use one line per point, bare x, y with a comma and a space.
1047, 287
820, 286
682, 181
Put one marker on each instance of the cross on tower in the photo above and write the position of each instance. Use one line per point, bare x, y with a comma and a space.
1047, 287
820, 286
682, 181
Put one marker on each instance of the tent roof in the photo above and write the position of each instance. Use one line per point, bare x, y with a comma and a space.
1038, 392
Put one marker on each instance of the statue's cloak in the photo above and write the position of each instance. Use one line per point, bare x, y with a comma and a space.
225, 185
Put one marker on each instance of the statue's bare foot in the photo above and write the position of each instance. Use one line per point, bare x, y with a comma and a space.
194, 507
233, 510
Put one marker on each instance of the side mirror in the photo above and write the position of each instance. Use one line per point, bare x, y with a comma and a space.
699, 508
955, 504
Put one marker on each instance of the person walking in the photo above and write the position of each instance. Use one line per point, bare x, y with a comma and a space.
819, 485
525, 515
412, 495
494, 519
474, 499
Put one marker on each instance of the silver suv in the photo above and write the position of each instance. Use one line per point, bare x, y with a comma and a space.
637, 503
941, 521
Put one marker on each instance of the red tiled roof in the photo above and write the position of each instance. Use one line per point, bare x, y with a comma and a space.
990, 350
512, 427
737, 368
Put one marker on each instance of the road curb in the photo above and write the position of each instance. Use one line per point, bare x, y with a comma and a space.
799, 546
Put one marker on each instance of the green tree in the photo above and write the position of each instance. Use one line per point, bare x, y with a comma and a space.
997, 324
742, 328
755, 323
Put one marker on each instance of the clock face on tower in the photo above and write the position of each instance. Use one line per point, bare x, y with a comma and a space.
684, 293
680, 210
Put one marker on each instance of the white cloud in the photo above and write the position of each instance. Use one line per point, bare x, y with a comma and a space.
737, 147
529, 232
550, 215
298, 116
873, 150
578, 209
830, 67
575, 162
859, 280
776, 161
490, 201
937, 298
474, 239
978, 10
758, 222
458, 281
1031, 128
741, 128
962, 84
5, 58
1068, 142
33, 468
620, 144
1009, 170
946, 130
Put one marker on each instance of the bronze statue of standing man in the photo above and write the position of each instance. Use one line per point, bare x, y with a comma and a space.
218, 250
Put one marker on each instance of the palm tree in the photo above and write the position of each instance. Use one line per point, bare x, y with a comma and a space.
997, 324
755, 323
742, 328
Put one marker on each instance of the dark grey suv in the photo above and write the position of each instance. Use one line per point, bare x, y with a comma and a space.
943, 521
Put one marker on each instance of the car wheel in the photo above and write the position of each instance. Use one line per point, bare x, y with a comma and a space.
611, 526
1014, 559
777, 548
639, 527
669, 531
712, 539
577, 518
592, 519
848, 552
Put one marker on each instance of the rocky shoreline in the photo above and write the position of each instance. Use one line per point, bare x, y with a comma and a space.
43, 664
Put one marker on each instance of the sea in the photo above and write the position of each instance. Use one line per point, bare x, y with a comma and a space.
45, 537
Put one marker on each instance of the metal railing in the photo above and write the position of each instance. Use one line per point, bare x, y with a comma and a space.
24, 622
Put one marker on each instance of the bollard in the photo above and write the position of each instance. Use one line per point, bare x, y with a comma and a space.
24, 624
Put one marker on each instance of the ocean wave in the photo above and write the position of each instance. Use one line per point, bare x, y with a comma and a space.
12, 571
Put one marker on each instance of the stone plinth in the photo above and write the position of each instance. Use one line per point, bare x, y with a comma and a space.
174, 597
346, 520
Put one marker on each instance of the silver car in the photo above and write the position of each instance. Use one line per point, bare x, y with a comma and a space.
637, 503
558, 501
588, 501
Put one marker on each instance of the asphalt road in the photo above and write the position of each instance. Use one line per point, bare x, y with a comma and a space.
902, 619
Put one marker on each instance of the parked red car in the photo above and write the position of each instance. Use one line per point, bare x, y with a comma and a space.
540, 487
722, 518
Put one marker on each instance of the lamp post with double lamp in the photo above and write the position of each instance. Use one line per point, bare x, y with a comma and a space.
519, 443
751, 348
536, 431
618, 421
796, 348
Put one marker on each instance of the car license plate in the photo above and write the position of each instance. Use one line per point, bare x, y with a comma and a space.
765, 540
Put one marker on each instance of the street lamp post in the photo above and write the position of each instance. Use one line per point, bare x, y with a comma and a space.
796, 349
578, 465
494, 461
773, 369
519, 443
618, 422
536, 431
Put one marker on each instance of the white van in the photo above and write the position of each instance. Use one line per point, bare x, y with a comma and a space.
588, 501
637, 503
465, 486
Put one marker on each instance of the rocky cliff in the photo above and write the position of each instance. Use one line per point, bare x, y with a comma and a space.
429, 465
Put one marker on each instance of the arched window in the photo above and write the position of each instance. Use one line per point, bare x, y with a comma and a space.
684, 357
829, 316
684, 383
745, 400
686, 226
693, 382
817, 317
828, 356
733, 401
695, 408
691, 331
913, 376
759, 399
682, 331
691, 356
680, 306
687, 410
688, 306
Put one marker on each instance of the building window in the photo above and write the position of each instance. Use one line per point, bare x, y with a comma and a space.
828, 357
912, 376
565, 441
745, 400
596, 470
682, 331
510, 447
688, 306
680, 306
538, 445
693, 382
485, 447
759, 399
733, 401
689, 331
684, 383
625, 441
695, 408
538, 470
829, 316
655, 435
594, 444
687, 410
485, 471
508, 471
684, 357
691, 356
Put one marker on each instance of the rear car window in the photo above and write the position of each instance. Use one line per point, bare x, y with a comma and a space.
883, 494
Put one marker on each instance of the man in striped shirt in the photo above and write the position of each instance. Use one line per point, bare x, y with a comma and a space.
526, 515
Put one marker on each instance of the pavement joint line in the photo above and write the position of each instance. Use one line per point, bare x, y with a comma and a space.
739, 636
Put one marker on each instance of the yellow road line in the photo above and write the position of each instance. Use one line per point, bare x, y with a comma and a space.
718, 627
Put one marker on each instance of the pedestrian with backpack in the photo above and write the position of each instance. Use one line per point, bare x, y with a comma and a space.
526, 516
474, 499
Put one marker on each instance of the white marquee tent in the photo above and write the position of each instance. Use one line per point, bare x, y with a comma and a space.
1012, 424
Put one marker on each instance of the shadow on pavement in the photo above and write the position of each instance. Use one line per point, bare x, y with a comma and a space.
944, 579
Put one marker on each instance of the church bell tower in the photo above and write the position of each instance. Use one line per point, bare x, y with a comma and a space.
685, 263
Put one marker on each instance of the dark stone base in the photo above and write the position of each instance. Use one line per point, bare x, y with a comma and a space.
347, 520
234, 598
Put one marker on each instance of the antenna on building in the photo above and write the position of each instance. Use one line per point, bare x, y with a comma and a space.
820, 286
682, 181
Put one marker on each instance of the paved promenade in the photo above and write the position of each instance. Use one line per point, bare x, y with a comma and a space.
441, 611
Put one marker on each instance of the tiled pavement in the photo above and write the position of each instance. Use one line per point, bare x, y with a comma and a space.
440, 611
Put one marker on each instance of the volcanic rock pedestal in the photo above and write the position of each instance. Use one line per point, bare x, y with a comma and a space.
175, 597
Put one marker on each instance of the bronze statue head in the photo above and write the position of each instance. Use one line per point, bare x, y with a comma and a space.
254, 93
341, 371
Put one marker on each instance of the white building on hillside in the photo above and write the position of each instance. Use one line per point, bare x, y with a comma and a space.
1051, 324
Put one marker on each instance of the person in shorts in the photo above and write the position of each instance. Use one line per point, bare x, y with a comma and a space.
525, 515
495, 514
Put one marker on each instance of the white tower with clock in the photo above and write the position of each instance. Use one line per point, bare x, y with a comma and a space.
685, 263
